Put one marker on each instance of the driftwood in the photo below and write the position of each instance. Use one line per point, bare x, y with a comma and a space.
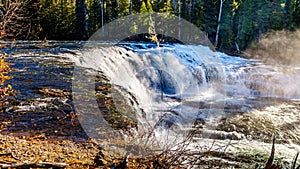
295, 161
271, 165
34, 165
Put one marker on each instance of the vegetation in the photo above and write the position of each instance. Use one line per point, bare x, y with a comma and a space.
7, 21
231, 25
5, 89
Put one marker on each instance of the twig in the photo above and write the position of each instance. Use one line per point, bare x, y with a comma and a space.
34, 165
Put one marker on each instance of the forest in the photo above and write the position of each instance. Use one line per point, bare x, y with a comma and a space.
231, 25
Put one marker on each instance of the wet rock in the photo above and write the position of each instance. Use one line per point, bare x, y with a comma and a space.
260, 124
104, 157
48, 92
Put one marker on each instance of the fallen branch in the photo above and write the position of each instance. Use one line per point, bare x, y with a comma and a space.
34, 165
295, 161
269, 164
9, 154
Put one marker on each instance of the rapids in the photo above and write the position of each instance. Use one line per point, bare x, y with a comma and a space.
174, 88
164, 93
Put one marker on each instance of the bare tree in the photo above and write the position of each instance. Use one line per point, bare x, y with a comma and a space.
13, 19
219, 20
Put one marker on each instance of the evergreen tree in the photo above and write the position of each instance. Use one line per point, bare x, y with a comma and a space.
260, 17
146, 8
81, 23
123, 8
149, 6
278, 18
94, 15
288, 15
226, 35
143, 8
243, 24
111, 11
136, 5
166, 7
184, 9
210, 18
198, 20
296, 13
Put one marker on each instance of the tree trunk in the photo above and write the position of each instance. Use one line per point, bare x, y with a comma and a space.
219, 20
102, 16
190, 10
179, 19
130, 3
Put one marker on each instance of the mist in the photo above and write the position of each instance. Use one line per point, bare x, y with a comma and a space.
280, 50
277, 47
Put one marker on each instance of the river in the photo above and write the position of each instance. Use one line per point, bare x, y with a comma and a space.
152, 97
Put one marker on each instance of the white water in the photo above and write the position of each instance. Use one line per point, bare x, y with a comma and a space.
198, 83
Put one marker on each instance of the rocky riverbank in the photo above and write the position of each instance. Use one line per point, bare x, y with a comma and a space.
45, 133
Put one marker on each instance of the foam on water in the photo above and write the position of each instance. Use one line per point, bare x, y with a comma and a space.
174, 85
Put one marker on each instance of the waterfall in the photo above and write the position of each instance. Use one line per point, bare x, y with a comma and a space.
196, 83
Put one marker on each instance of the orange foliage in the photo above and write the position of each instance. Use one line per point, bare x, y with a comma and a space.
5, 90
4, 69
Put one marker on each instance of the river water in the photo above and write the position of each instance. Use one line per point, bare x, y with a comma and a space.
159, 94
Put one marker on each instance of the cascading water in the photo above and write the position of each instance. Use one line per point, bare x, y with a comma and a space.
138, 98
172, 86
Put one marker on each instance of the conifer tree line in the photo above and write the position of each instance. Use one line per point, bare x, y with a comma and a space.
230, 24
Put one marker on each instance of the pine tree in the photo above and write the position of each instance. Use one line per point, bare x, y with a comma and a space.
277, 18
144, 19
296, 13
111, 11
94, 15
243, 24
184, 9
143, 8
81, 20
123, 8
210, 18
149, 6
146, 7
135, 6
166, 7
198, 20
226, 35
288, 15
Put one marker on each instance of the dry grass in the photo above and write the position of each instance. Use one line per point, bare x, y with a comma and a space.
38, 149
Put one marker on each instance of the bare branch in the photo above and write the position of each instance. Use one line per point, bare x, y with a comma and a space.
14, 18
31, 165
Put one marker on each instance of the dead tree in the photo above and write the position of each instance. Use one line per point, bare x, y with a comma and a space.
219, 22
14, 19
